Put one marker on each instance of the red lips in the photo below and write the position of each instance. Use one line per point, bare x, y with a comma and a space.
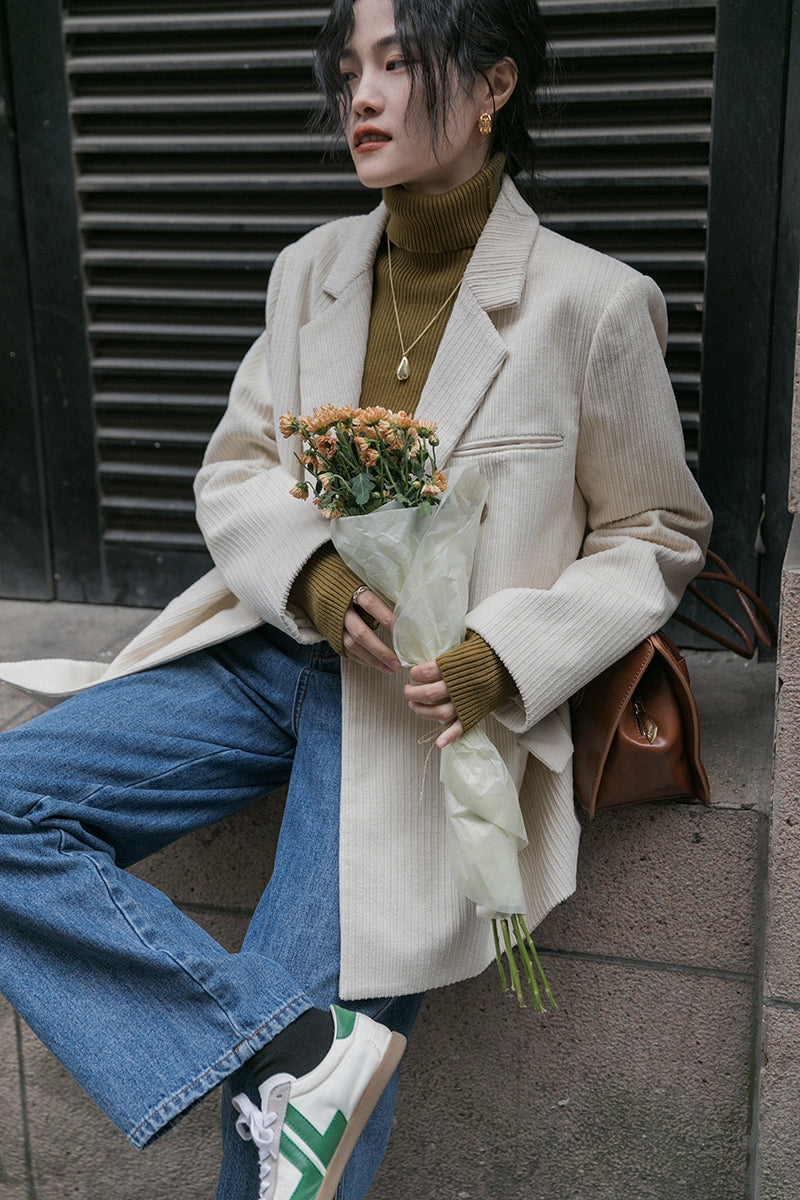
369, 136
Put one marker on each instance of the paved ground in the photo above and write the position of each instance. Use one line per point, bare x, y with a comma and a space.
637, 1086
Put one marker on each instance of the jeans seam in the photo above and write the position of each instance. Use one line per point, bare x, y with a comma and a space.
159, 949
152, 778
299, 697
376, 1016
30, 813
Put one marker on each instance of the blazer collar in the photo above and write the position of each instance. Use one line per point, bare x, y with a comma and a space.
495, 273
357, 256
498, 268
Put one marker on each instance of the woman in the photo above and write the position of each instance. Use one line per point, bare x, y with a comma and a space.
542, 364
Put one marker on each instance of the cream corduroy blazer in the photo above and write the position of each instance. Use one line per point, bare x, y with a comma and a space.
550, 380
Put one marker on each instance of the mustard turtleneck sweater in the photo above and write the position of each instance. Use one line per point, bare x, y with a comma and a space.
432, 238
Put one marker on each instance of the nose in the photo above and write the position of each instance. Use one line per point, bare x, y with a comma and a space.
367, 97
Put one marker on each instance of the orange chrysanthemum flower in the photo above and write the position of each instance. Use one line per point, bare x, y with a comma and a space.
366, 452
322, 418
424, 428
288, 424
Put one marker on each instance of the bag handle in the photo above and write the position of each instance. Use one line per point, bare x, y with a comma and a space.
756, 612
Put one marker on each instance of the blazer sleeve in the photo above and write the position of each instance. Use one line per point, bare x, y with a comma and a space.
647, 522
258, 535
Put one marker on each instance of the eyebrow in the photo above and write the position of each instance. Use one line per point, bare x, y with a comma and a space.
383, 43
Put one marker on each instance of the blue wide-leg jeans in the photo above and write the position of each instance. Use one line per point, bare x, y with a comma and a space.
142, 1006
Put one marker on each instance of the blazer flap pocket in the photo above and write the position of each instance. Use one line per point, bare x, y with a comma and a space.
510, 443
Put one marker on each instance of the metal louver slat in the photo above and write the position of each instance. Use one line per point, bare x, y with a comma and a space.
194, 168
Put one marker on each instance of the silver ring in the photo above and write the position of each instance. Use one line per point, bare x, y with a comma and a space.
357, 593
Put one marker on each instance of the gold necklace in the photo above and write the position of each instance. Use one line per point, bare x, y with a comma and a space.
403, 369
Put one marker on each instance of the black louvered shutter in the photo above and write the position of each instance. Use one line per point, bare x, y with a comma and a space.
193, 169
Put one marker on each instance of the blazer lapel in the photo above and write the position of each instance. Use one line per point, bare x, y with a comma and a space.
334, 342
468, 359
472, 352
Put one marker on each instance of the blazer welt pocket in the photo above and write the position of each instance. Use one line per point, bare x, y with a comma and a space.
502, 445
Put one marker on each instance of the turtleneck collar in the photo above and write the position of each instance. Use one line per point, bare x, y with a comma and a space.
445, 222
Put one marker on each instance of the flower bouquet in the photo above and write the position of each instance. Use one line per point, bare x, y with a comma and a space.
410, 533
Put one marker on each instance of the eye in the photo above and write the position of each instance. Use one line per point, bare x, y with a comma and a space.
395, 63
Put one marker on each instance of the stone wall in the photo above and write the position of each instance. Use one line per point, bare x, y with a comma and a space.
778, 1161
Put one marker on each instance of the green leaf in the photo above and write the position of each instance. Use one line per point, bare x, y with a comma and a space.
362, 486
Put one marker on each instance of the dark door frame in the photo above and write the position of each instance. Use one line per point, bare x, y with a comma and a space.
25, 568
752, 287
63, 379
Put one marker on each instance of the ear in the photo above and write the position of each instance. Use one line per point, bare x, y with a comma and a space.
502, 80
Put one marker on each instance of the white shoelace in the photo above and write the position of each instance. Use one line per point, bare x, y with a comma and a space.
256, 1126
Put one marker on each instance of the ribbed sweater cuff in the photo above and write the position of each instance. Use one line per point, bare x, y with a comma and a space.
324, 590
476, 679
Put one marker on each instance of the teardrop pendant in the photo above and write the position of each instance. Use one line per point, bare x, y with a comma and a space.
402, 370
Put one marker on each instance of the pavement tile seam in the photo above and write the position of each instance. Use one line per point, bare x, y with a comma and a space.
758, 1017
782, 1003
23, 1096
746, 806
649, 964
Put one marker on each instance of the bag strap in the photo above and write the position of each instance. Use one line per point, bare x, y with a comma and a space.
756, 612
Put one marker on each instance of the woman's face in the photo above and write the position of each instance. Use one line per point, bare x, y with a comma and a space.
390, 137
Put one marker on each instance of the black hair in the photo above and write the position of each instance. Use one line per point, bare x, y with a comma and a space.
439, 37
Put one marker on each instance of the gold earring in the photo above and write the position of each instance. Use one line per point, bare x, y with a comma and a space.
485, 123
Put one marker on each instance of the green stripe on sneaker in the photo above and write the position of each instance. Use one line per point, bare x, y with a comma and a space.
321, 1144
310, 1177
345, 1020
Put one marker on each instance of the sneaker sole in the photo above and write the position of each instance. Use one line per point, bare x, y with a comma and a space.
363, 1111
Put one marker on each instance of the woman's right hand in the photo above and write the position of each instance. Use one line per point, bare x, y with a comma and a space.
361, 643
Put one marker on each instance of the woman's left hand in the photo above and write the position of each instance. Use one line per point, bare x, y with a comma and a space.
429, 698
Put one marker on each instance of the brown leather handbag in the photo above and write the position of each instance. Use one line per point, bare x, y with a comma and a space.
636, 729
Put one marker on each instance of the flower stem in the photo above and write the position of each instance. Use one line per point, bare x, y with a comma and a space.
498, 956
535, 957
512, 966
530, 961
526, 962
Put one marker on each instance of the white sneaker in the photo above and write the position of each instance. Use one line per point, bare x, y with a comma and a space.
307, 1128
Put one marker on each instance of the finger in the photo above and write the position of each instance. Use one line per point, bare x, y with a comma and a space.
428, 693
376, 608
364, 646
356, 653
450, 734
425, 673
444, 713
